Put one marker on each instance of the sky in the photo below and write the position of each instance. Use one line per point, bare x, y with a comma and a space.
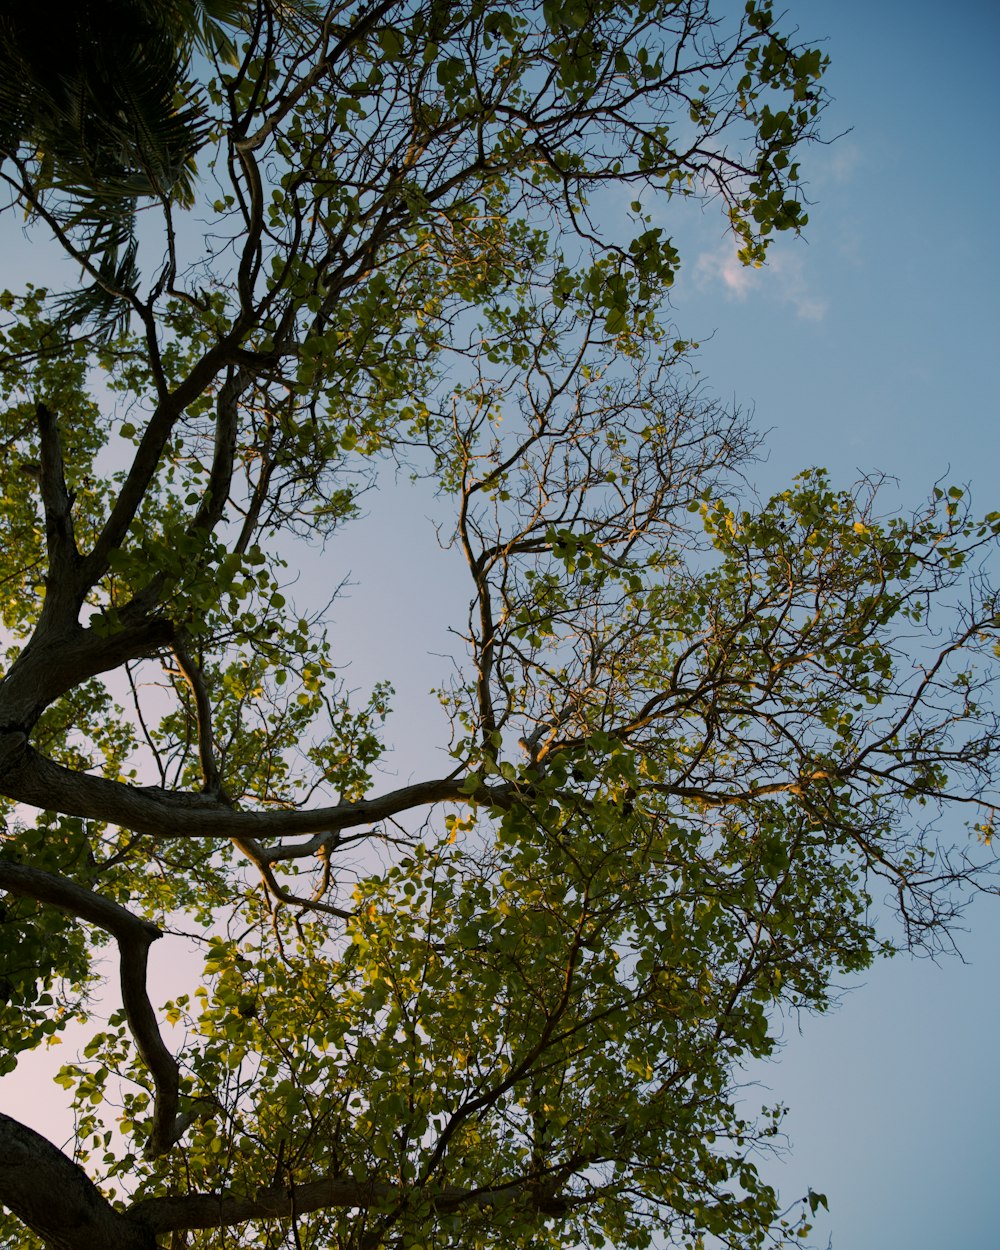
870, 345
873, 345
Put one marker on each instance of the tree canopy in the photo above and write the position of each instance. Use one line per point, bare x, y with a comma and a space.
697, 738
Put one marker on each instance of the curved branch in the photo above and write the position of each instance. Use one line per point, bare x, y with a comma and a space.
258, 857
190, 1211
146, 461
213, 504
134, 937
28, 777
195, 679
57, 1200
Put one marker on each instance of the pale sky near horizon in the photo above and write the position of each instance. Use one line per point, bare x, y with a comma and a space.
872, 345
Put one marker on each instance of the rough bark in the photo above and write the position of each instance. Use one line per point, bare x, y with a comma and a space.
55, 1199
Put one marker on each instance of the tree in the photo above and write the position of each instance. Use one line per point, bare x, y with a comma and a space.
692, 735
96, 109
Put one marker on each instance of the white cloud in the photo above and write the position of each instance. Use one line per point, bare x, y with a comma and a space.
843, 159
722, 266
793, 286
783, 277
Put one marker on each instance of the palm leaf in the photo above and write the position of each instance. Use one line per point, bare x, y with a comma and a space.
96, 111
103, 303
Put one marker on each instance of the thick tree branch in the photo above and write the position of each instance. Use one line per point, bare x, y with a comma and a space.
28, 777
58, 659
56, 1200
147, 458
216, 1211
134, 937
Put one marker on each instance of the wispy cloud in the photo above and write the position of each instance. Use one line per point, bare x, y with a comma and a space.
793, 286
783, 277
844, 157
722, 266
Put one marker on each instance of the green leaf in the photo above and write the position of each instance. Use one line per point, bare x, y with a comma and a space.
391, 42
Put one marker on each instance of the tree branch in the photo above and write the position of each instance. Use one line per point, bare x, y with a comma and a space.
290, 98
61, 656
147, 457
191, 1211
220, 478
258, 856
134, 937
195, 679
55, 1198
28, 777
62, 597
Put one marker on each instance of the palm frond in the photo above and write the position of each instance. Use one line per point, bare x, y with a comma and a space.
104, 303
95, 108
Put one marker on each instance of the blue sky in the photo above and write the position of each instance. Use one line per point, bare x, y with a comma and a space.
871, 345
874, 345
872, 342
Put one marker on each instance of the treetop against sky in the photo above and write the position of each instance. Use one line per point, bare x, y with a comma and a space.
690, 733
